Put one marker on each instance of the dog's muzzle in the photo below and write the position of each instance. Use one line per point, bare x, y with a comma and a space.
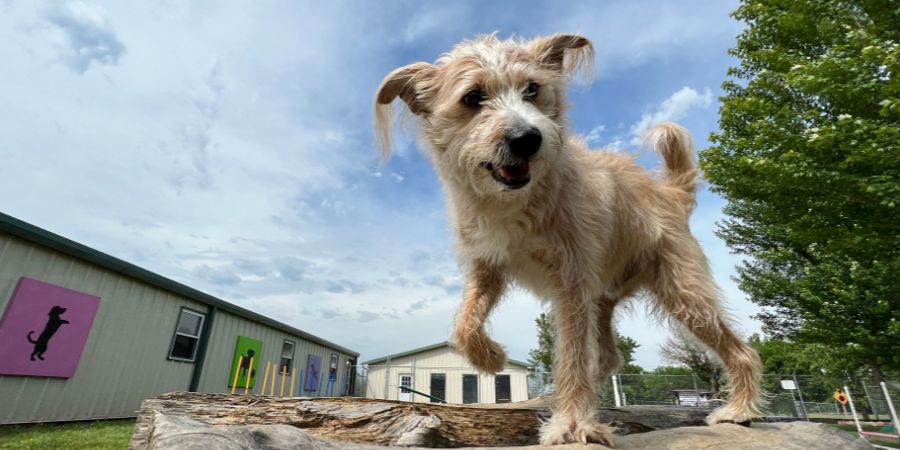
523, 144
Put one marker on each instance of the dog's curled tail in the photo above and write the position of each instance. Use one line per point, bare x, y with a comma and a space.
29, 338
677, 148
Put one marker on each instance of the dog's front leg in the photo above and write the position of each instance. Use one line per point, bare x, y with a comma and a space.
575, 398
484, 286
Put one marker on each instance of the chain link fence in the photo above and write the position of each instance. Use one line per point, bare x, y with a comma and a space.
804, 396
878, 394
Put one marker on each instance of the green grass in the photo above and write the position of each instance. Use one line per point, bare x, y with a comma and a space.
104, 434
892, 443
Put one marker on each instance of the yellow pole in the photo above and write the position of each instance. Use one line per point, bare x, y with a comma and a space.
249, 376
236, 372
293, 372
283, 376
266, 378
272, 386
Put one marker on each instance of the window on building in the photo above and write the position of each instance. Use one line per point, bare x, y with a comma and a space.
187, 335
287, 357
502, 389
438, 386
332, 367
470, 389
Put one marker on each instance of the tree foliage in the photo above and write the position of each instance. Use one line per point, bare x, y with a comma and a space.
808, 157
542, 356
684, 350
817, 367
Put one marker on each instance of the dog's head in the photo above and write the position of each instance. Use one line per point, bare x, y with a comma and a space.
491, 110
56, 311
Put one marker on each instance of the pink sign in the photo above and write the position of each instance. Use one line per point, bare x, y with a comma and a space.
44, 329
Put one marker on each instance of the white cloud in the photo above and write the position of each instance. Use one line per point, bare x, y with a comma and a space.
428, 21
628, 34
89, 34
674, 108
231, 150
595, 135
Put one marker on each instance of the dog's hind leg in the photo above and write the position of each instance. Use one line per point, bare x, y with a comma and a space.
575, 399
608, 358
686, 291
484, 287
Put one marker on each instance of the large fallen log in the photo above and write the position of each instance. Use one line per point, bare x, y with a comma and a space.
190, 420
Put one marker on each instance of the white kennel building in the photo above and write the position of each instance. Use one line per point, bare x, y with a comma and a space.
440, 371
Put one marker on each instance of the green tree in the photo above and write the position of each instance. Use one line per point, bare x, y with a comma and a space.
627, 346
542, 356
681, 349
819, 371
808, 157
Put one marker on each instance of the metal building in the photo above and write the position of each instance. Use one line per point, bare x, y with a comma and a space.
103, 334
439, 371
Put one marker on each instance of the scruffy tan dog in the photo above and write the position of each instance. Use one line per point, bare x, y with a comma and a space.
581, 229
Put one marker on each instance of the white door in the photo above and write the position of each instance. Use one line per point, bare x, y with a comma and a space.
405, 381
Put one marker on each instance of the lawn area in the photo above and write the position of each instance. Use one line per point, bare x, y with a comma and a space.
892, 443
103, 434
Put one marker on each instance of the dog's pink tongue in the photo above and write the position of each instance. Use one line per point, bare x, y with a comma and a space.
514, 172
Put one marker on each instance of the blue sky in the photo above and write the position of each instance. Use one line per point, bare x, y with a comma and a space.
228, 145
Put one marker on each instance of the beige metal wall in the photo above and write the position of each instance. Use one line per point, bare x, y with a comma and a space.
220, 353
441, 360
124, 359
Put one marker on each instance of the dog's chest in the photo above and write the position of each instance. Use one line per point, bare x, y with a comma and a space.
526, 254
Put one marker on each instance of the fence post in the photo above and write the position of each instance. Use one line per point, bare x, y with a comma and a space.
616, 391
800, 393
696, 391
853, 409
890, 403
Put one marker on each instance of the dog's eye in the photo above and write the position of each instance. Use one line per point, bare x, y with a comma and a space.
473, 98
531, 91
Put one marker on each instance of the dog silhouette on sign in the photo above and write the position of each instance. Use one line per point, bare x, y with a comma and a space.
53, 324
245, 364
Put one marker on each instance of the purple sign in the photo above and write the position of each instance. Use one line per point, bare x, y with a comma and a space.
44, 329
313, 366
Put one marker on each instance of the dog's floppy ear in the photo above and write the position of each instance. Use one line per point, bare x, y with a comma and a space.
410, 83
566, 53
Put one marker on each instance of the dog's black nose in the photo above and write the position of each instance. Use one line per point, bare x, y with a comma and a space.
524, 143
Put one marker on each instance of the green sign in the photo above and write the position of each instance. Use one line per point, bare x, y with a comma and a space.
247, 351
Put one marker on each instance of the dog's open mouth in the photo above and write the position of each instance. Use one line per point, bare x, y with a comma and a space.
513, 176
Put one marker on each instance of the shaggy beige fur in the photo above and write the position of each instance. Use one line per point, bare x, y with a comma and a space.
581, 229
